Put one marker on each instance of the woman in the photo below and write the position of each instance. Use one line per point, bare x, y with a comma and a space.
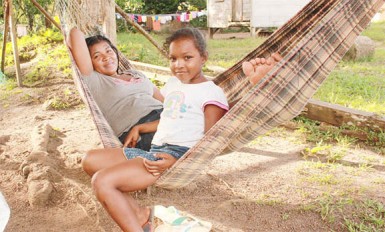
127, 99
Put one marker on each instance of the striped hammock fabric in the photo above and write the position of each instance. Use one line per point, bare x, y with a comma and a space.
311, 44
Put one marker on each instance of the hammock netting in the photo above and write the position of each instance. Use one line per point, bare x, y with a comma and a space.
311, 44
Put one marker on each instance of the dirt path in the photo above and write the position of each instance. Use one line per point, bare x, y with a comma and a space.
266, 186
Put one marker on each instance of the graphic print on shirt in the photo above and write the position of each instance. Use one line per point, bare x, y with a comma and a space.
174, 106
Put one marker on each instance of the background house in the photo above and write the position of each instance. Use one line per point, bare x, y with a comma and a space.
255, 14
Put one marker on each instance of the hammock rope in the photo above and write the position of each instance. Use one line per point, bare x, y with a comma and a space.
311, 44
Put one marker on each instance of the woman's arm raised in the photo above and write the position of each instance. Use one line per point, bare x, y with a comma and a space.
77, 44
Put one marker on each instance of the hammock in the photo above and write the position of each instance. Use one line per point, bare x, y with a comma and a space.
311, 44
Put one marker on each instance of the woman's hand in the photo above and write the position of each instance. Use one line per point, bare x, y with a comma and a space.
132, 138
159, 166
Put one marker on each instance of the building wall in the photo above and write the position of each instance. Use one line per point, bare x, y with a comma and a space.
274, 13
219, 13
260, 13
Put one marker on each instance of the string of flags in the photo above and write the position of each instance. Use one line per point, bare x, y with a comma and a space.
154, 21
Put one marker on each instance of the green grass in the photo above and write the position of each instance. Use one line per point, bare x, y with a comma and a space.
136, 47
357, 85
376, 31
226, 52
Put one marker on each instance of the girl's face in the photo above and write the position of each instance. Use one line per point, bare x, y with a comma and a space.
104, 59
186, 62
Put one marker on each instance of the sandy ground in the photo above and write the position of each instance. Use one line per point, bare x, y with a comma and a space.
265, 186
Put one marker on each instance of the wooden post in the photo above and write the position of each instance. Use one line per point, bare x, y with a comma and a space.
140, 29
12, 25
5, 34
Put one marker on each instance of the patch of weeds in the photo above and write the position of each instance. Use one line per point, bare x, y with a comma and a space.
8, 89
326, 208
331, 207
10, 84
309, 207
326, 151
48, 66
365, 167
376, 138
369, 215
345, 141
322, 178
318, 149
319, 173
354, 171
267, 199
285, 216
58, 103
64, 100
313, 131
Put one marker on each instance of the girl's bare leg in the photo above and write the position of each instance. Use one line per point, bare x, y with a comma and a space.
110, 186
99, 159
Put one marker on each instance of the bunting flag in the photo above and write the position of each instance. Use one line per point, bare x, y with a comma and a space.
156, 20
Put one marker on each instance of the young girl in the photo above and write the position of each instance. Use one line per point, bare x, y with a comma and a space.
192, 105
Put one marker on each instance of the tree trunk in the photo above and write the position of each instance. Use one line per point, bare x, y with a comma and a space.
103, 13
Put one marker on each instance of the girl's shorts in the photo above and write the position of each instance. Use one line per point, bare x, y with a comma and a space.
174, 150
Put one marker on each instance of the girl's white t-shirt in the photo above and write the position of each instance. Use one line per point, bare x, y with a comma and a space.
182, 120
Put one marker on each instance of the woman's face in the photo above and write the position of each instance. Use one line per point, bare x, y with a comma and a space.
104, 58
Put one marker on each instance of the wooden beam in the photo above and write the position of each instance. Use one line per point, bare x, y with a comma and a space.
338, 115
5, 34
45, 13
12, 25
140, 29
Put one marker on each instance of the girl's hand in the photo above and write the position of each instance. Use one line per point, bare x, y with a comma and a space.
159, 166
132, 137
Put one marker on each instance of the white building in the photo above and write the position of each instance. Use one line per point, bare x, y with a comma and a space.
255, 14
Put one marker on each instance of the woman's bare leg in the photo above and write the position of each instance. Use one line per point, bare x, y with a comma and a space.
110, 186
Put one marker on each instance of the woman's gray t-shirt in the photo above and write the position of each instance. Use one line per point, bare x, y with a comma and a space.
123, 102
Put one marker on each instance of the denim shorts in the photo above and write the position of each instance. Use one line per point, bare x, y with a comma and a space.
145, 139
174, 150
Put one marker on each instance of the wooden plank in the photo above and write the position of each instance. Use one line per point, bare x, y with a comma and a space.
338, 115
237, 11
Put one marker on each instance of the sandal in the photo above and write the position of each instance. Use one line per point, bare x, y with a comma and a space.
149, 225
